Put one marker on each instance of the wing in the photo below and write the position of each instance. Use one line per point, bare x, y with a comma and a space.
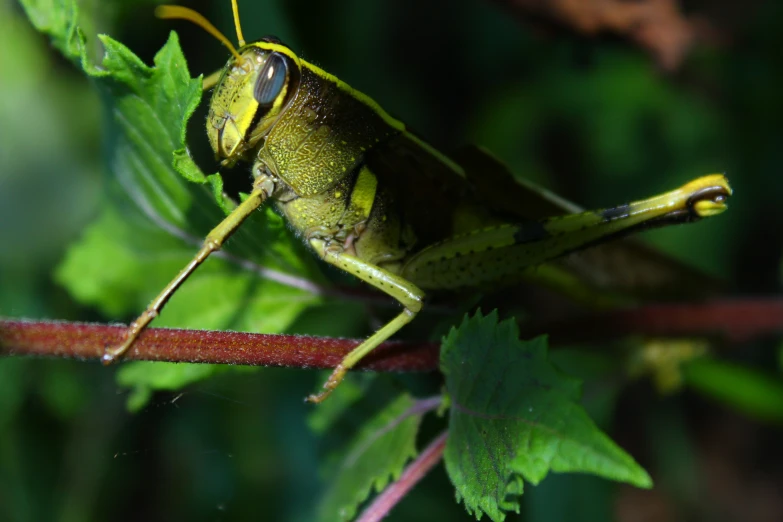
430, 189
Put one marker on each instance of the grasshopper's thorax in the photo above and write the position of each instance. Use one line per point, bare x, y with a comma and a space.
324, 133
249, 98
312, 133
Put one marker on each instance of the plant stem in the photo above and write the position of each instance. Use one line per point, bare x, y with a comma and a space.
87, 341
412, 474
419, 408
733, 320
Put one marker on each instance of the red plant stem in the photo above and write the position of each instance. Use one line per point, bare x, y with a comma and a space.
734, 320
87, 341
412, 474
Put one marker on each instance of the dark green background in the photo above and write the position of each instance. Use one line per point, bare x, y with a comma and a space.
593, 119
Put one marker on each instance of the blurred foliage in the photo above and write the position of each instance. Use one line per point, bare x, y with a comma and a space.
371, 459
591, 118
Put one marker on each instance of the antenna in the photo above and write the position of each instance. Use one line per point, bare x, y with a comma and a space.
240, 38
183, 13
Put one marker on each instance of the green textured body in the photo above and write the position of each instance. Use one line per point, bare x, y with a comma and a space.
351, 175
377, 202
356, 180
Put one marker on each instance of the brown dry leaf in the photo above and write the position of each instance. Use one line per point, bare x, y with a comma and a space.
656, 25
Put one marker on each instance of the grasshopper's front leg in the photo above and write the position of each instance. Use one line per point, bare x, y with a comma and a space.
262, 189
408, 294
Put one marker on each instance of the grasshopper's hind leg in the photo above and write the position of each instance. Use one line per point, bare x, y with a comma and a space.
505, 252
408, 294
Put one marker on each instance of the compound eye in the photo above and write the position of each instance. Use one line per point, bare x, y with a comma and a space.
271, 80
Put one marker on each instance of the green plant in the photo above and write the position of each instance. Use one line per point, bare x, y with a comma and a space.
511, 413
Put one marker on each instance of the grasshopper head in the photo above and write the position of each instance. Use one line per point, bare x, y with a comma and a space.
256, 85
250, 95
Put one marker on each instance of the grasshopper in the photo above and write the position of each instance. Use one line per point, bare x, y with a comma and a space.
374, 200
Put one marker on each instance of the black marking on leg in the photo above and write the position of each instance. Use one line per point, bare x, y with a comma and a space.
610, 214
529, 232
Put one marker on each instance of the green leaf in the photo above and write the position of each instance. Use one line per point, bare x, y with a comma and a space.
162, 205
120, 261
58, 19
117, 269
514, 416
149, 108
375, 455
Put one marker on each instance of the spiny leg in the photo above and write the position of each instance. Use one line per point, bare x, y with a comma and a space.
262, 189
404, 291
495, 254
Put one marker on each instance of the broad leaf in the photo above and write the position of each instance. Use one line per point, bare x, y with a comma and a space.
375, 455
162, 204
514, 416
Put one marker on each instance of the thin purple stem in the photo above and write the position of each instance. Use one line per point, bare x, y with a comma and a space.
420, 407
415, 471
